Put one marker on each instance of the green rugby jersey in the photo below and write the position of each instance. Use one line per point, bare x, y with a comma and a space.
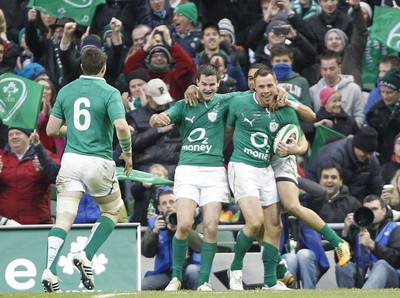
89, 107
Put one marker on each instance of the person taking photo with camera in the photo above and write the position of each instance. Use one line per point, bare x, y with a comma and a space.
157, 242
376, 242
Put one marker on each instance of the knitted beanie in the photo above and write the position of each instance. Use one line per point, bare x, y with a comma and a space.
325, 93
189, 10
391, 79
366, 139
342, 36
225, 25
91, 41
159, 49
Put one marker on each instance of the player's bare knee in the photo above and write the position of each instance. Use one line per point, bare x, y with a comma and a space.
113, 207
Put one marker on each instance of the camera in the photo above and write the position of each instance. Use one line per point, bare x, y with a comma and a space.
170, 218
278, 30
363, 217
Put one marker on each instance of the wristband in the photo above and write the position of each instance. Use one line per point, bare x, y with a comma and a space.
294, 105
126, 144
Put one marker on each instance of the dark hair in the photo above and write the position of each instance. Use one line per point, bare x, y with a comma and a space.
208, 70
371, 198
258, 65
52, 87
394, 61
329, 54
93, 60
207, 25
223, 58
281, 50
168, 191
262, 72
332, 165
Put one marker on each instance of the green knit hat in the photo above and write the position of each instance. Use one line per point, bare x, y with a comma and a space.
391, 79
189, 10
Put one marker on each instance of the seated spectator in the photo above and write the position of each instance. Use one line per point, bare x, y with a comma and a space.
135, 97
356, 157
158, 62
376, 249
384, 116
329, 198
157, 242
391, 193
186, 30
391, 167
331, 115
352, 99
26, 56
27, 171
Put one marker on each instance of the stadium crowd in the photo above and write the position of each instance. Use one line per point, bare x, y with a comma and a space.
341, 81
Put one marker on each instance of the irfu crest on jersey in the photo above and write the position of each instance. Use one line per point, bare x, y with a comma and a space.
212, 116
273, 126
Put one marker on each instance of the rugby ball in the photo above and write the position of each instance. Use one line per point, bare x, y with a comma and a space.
284, 134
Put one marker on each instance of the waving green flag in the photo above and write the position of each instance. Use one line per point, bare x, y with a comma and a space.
20, 101
386, 26
81, 11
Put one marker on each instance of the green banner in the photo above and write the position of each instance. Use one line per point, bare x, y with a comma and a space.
116, 266
20, 101
386, 26
322, 136
81, 11
142, 177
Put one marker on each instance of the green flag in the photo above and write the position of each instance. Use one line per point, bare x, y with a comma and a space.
20, 101
322, 136
386, 26
81, 11
142, 177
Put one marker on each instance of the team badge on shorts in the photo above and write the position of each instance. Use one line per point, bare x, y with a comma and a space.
212, 116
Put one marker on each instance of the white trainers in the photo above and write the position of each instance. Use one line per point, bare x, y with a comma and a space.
50, 282
205, 287
279, 286
174, 285
235, 280
85, 267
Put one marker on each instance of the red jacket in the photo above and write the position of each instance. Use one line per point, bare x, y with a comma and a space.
177, 78
24, 192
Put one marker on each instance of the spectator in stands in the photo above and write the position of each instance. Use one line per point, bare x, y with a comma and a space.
135, 98
352, 99
158, 62
153, 145
46, 50
226, 83
295, 84
161, 13
186, 32
391, 192
25, 56
384, 116
330, 17
27, 171
329, 198
388, 169
139, 36
376, 247
356, 157
331, 115
277, 30
53, 144
210, 39
350, 50
71, 65
3, 50
157, 242
306, 8
385, 65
